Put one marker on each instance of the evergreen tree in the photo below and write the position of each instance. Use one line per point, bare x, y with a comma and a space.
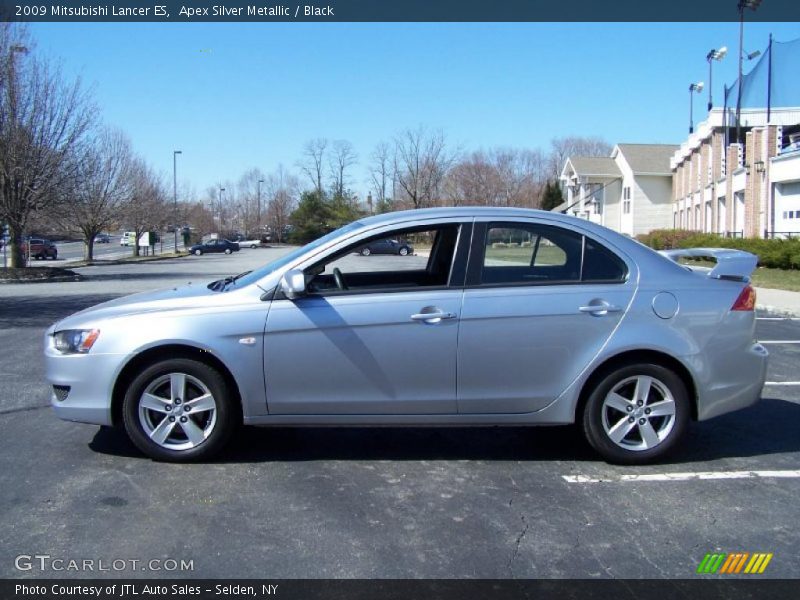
311, 219
552, 196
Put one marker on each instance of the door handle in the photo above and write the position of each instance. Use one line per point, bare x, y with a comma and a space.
599, 309
432, 317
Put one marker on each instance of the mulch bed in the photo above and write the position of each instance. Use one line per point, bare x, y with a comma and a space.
37, 274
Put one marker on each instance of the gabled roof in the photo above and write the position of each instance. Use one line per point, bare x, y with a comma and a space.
647, 159
597, 166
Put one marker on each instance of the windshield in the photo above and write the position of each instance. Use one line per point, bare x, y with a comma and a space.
284, 260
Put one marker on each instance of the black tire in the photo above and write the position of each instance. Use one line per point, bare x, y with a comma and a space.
226, 420
632, 449
365, 252
227, 250
403, 251
198, 252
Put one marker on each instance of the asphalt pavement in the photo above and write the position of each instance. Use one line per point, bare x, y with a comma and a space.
389, 502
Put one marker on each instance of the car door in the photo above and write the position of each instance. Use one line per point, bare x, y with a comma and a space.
386, 345
540, 302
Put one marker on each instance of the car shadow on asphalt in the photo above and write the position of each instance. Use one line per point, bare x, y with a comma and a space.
738, 435
42, 311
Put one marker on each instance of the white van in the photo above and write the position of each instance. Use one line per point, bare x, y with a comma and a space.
128, 238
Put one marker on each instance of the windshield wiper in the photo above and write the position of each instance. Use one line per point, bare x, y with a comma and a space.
220, 284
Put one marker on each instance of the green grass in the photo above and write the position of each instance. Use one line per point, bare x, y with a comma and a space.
547, 255
779, 279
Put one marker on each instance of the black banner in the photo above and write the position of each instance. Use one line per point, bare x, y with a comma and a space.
188, 11
404, 589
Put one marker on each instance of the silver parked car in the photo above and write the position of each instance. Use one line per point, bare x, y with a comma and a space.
502, 317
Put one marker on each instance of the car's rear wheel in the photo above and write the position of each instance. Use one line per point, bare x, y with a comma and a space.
179, 410
637, 414
198, 252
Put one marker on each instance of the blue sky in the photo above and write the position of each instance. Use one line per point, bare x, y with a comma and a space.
236, 96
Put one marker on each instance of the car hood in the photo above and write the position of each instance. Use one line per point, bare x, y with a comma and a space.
178, 298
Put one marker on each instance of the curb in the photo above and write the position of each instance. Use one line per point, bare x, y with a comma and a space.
124, 261
781, 312
59, 279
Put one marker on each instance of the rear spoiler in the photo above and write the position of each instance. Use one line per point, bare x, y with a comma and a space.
731, 264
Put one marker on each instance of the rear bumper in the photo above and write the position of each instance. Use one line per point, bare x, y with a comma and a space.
743, 383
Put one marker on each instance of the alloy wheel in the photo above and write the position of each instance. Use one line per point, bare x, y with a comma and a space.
638, 413
177, 411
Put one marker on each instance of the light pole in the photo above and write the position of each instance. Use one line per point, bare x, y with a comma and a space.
258, 210
694, 87
712, 56
175, 195
752, 5
219, 206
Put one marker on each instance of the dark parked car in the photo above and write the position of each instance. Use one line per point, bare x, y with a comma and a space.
102, 238
210, 246
387, 246
40, 249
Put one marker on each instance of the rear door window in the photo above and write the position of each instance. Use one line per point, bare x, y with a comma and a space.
521, 253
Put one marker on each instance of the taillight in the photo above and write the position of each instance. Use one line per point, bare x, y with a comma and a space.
746, 299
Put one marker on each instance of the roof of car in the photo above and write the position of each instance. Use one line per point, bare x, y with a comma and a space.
499, 212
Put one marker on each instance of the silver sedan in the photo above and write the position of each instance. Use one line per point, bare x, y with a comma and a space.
501, 317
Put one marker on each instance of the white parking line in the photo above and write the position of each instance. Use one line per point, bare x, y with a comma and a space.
787, 474
779, 341
782, 383
777, 318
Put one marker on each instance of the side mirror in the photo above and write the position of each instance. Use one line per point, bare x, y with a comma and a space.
293, 284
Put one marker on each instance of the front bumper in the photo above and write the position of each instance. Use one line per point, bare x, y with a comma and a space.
90, 379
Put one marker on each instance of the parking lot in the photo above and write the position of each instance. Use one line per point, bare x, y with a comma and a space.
385, 503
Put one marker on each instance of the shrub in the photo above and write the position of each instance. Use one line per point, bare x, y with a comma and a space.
774, 254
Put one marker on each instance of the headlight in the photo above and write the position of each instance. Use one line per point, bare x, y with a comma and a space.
75, 341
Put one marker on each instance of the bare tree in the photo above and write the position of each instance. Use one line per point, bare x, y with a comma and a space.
102, 185
145, 208
43, 119
313, 162
523, 174
474, 180
420, 162
562, 148
342, 157
282, 191
381, 175
498, 177
250, 202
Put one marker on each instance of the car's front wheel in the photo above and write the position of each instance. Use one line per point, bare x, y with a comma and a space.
227, 250
403, 251
179, 410
365, 252
198, 252
637, 414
